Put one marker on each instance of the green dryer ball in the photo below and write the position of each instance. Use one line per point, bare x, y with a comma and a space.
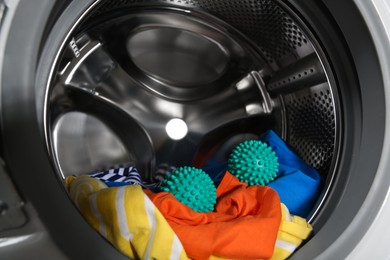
192, 187
253, 162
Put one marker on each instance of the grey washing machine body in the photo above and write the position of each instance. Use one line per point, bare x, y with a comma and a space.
318, 74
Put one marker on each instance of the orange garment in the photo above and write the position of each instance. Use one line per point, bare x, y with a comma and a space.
243, 225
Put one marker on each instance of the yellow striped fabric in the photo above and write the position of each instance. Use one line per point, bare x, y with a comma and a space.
292, 231
127, 218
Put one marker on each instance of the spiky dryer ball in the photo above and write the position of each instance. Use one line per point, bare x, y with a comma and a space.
253, 162
192, 187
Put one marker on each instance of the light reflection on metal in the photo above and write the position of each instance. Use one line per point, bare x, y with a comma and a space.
176, 129
8, 241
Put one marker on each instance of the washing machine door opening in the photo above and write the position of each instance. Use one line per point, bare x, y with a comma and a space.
152, 84
128, 71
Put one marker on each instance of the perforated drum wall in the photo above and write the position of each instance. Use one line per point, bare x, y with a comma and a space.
312, 125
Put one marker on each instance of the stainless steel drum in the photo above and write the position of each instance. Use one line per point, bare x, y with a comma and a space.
224, 69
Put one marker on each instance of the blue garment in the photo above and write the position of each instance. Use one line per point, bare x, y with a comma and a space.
216, 170
297, 183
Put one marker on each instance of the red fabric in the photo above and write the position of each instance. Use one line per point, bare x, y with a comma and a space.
244, 224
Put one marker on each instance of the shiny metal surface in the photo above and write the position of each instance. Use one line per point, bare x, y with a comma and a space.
86, 144
176, 56
147, 96
268, 25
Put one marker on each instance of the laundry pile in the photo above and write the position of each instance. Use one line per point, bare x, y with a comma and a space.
245, 220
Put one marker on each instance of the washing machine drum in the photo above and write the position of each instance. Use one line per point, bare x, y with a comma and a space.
103, 84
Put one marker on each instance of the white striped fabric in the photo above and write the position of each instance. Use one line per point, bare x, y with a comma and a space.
123, 176
126, 217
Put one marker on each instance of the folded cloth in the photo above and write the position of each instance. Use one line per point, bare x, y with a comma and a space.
244, 224
126, 217
123, 176
297, 183
292, 231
